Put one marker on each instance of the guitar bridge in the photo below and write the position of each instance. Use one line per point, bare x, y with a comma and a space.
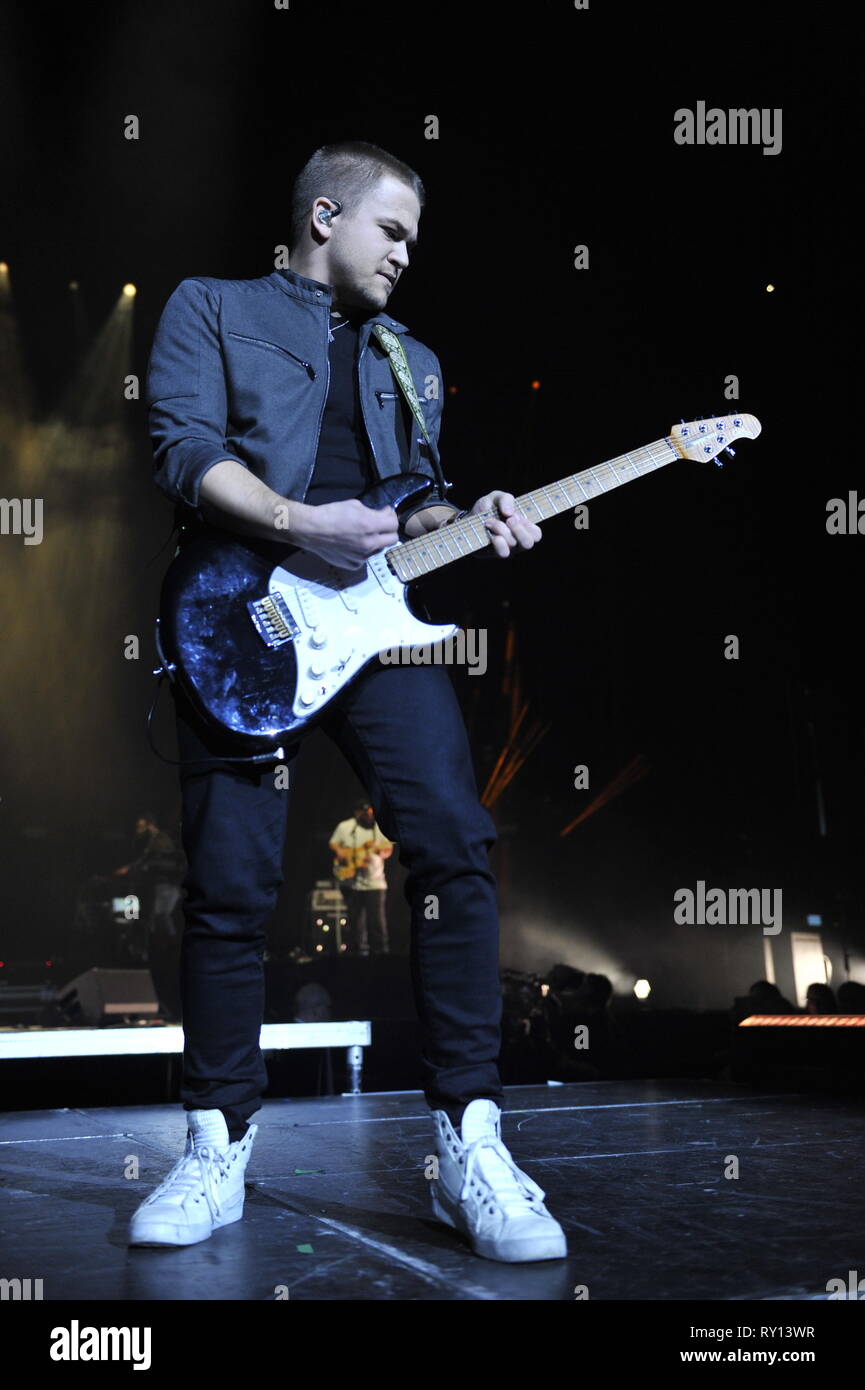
273, 621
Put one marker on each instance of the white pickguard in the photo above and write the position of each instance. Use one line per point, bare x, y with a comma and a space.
345, 617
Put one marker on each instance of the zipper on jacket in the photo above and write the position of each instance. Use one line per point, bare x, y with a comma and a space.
383, 396
320, 417
274, 347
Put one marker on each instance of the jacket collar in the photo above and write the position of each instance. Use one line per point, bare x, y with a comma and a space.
314, 292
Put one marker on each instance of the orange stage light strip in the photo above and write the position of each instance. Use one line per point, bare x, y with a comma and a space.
803, 1021
487, 796
636, 768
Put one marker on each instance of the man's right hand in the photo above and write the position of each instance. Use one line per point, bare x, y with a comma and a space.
344, 534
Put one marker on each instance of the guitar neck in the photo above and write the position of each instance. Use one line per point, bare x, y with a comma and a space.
411, 559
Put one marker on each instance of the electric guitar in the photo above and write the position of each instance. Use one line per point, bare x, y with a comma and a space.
262, 636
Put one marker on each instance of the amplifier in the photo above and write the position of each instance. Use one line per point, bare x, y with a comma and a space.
107, 996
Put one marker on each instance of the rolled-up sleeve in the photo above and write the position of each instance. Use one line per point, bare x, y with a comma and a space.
186, 393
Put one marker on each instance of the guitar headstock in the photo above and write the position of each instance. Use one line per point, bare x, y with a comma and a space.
704, 439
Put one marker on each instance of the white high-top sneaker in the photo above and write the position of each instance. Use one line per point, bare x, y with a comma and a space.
204, 1189
481, 1191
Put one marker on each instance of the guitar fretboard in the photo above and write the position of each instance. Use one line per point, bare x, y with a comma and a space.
411, 559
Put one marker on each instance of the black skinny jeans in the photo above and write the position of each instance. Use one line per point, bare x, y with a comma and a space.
401, 730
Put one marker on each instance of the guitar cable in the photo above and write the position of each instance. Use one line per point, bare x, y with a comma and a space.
260, 759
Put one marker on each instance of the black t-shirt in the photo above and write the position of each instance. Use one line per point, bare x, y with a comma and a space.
343, 467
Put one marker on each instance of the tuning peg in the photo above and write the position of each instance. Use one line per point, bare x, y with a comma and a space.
719, 463
730, 451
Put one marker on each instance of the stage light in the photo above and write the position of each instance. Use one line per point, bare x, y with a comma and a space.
325, 927
769, 289
803, 1021
73, 284
642, 989
533, 938
129, 291
319, 947
319, 921
150, 1040
4, 268
536, 386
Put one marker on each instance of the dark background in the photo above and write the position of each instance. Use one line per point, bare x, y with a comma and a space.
555, 130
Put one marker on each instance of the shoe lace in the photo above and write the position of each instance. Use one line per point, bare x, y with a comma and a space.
199, 1168
508, 1186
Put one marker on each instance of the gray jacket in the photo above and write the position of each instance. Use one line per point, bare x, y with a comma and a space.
239, 370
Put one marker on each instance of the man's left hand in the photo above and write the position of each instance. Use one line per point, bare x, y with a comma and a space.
507, 531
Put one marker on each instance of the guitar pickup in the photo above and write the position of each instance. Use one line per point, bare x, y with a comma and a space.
273, 621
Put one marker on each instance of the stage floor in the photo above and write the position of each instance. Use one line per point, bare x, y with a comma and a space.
337, 1205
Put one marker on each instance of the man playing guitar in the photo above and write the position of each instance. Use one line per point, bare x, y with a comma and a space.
359, 850
272, 408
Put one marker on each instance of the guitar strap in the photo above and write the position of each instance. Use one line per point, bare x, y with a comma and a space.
401, 370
